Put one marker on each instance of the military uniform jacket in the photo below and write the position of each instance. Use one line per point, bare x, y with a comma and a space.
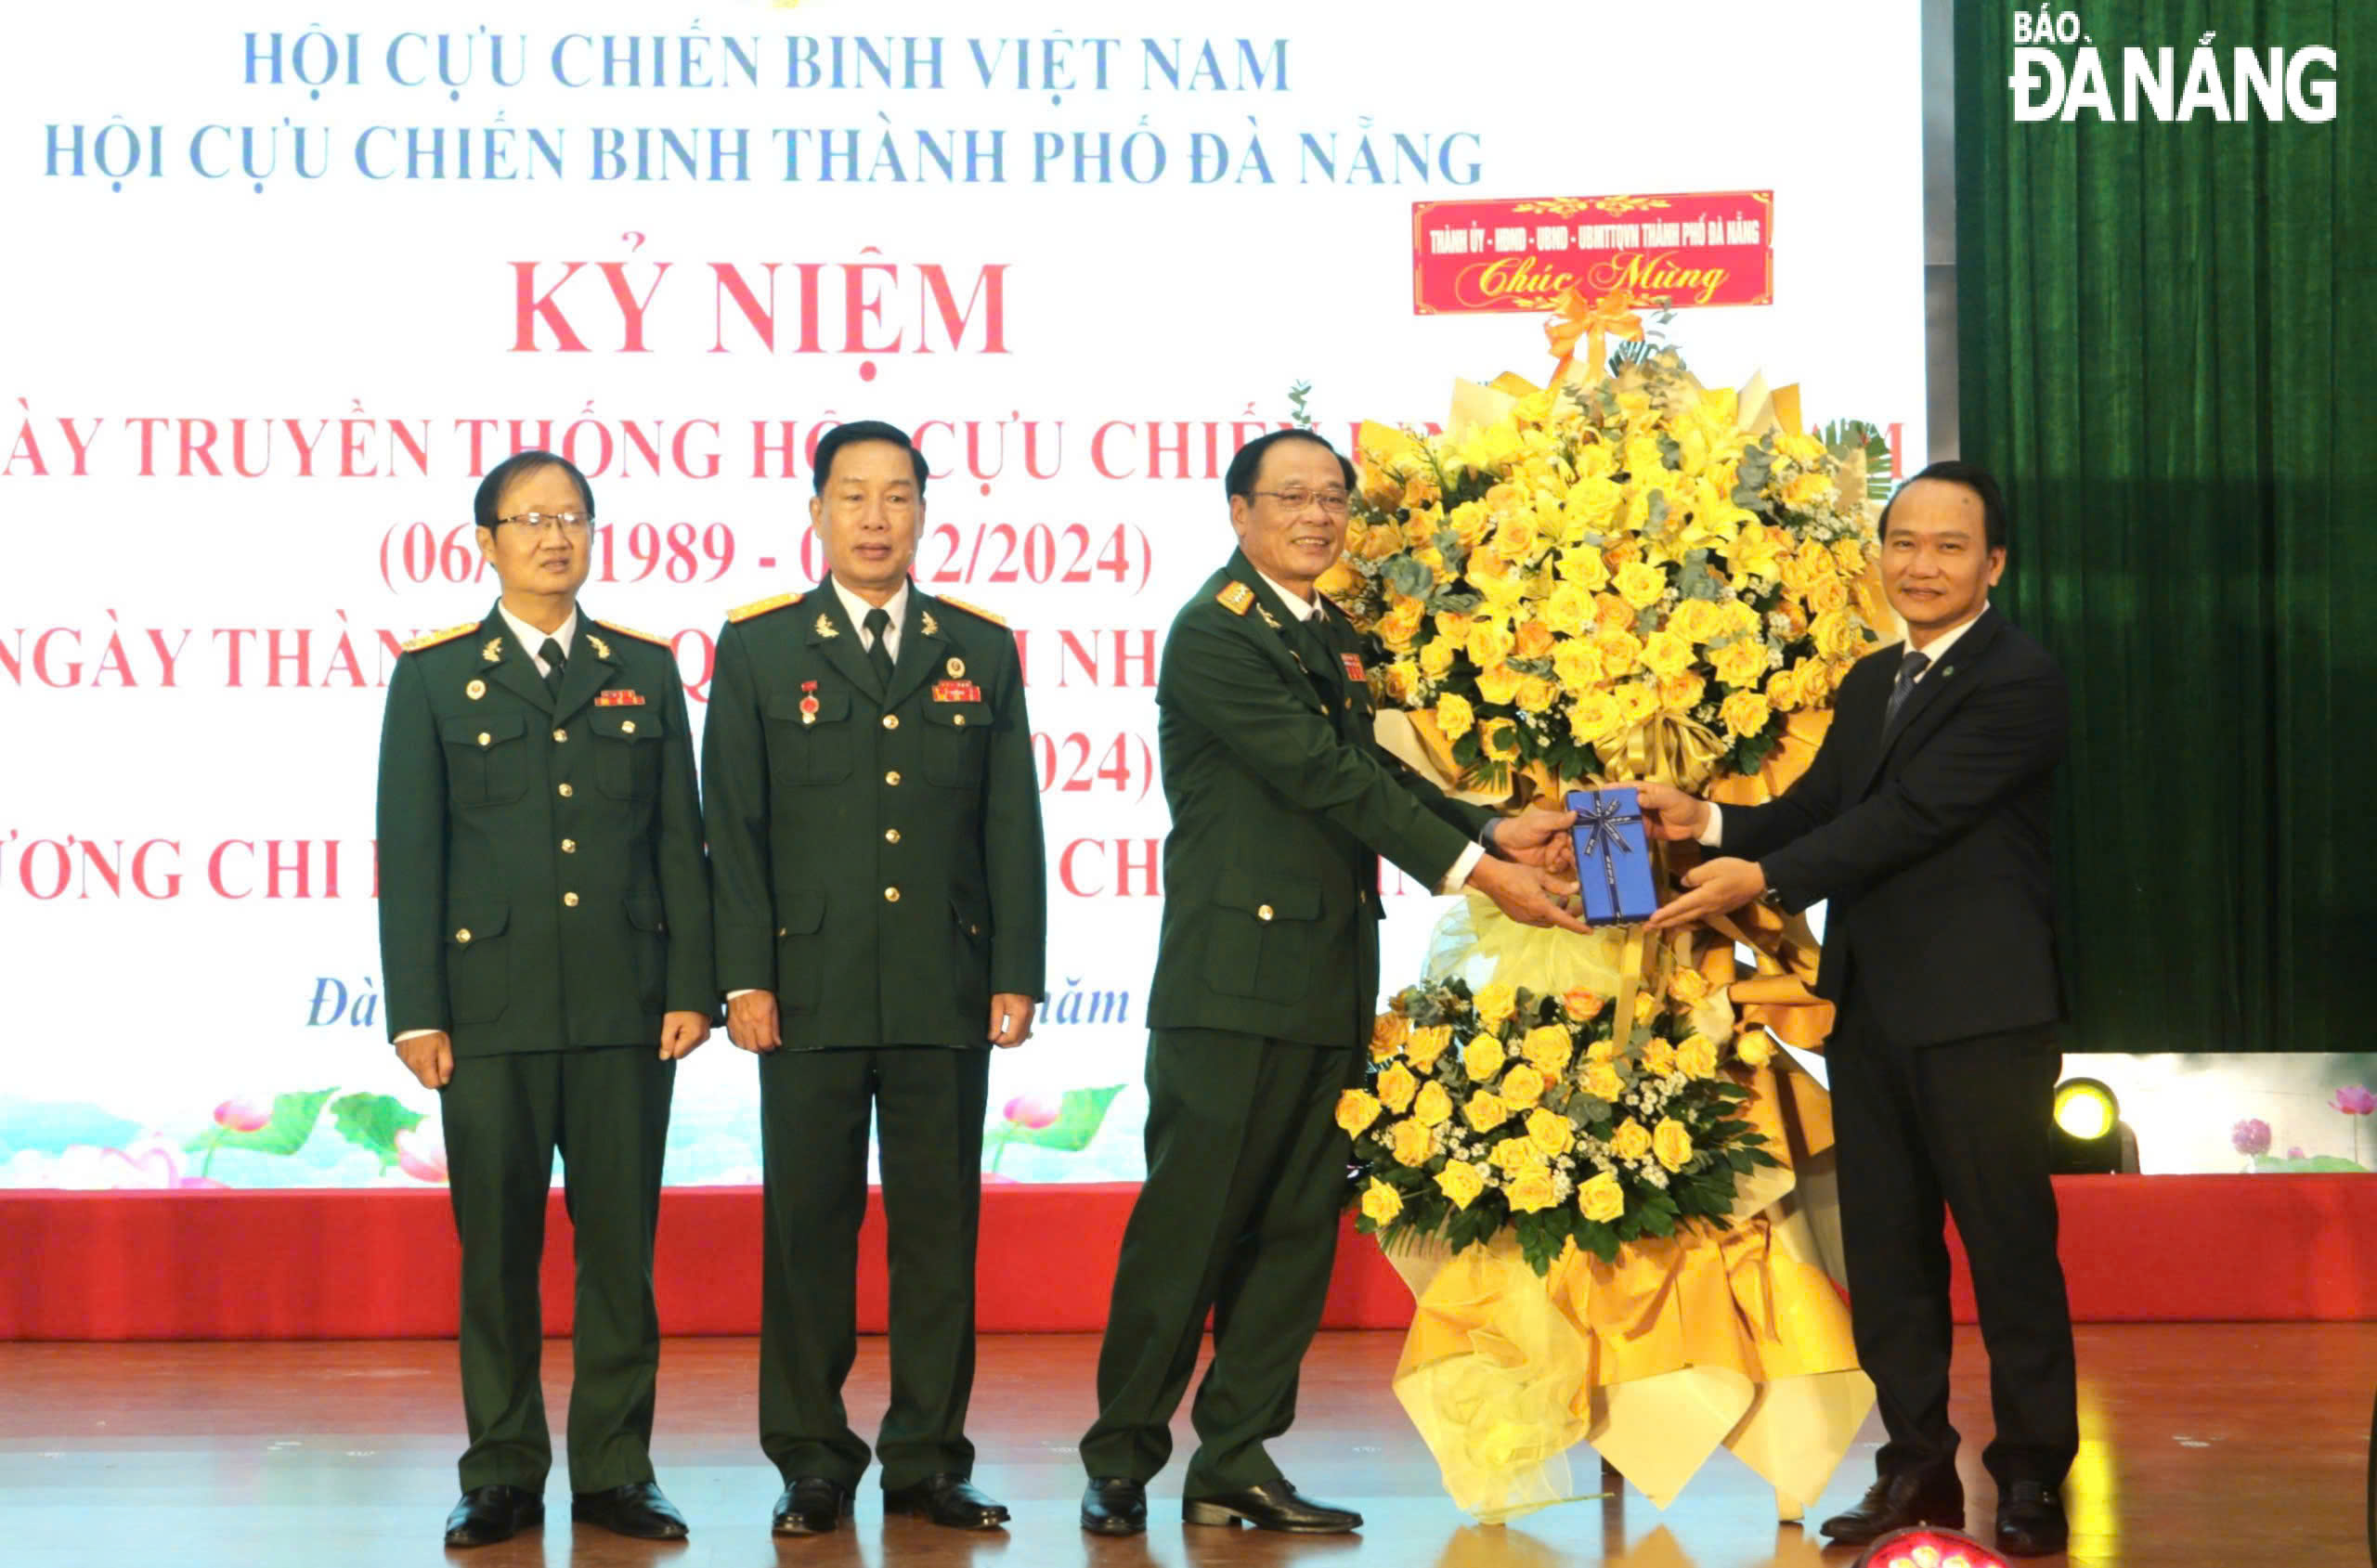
877, 852
542, 879
1282, 803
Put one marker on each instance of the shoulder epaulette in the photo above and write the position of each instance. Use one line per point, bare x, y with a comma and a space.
1237, 598
972, 610
431, 640
638, 636
761, 606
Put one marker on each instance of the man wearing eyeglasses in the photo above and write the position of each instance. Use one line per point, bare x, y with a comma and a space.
1267, 974
874, 813
545, 942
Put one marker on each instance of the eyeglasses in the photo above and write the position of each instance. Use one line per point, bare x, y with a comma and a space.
571, 523
1334, 502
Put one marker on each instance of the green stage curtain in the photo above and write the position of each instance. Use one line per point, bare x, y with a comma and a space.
2168, 353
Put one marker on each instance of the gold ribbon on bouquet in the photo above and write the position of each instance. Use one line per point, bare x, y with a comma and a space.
1575, 315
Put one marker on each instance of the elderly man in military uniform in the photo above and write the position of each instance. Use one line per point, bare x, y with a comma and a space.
545, 942
1267, 974
874, 815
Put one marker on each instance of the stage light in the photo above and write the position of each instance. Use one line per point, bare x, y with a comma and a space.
2085, 1108
2089, 1137
1927, 1546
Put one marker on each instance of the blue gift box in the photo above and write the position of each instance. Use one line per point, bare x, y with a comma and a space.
1613, 856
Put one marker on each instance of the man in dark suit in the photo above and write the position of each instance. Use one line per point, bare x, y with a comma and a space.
1266, 975
874, 814
544, 925
1923, 820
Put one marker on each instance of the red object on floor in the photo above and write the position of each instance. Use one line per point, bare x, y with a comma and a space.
382, 1265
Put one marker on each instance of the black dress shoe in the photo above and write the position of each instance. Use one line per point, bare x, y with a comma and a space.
2031, 1521
812, 1506
1897, 1501
1113, 1506
1272, 1505
489, 1514
636, 1509
950, 1501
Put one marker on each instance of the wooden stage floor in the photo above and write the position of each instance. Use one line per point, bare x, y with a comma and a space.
2205, 1445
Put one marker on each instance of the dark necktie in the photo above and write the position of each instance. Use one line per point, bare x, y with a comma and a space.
554, 659
878, 623
1909, 669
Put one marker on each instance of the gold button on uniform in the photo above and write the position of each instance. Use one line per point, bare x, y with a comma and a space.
463, 936
958, 720
560, 735
570, 898
891, 835
569, 846
1264, 913
780, 931
893, 777
627, 728
891, 895
566, 791
486, 739
890, 721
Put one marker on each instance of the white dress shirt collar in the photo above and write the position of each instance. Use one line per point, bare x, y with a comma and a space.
1301, 608
856, 608
533, 641
1938, 649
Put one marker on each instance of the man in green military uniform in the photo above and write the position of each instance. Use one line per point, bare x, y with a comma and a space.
1266, 973
545, 940
874, 815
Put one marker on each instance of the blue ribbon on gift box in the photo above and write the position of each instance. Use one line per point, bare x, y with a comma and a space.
1597, 825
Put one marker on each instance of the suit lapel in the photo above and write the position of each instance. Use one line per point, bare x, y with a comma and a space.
589, 671
1281, 631
1954, 675
513, 669
831, 632
920, 650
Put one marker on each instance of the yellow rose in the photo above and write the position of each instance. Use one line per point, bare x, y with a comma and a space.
1595, 716
1688, 986
1481, 1059
1548, 1049
1666, 653
1454, 715
1602, 1199
1738, 617
1672, 1143
1829, 594
1500, 684
1470, 522
1567, 612
1381, 1202
1682, 693
1532, 1192
1647, 1007
1613, 614
1420, 487
1641, 583
1581, 1003
1432, 1106
1813, 680
1388, 1032
1537, 695
1436, 658
1658, 1057
1514, 1155
1453, 625
1356, 1111
1379, 542
1621, 653
1837, 635
1550, 1131
1745, 714
1577, 664
1741, 662
1461, 1181
1489, 644
1411, 1142
1425, 1044
1533, 639
1753, 1048
1340, 581
1601, 1050
1499, 739
1603, 1082
1637, 700
1693, 620
1486, 1110
1807, 489
1395, 1087
1515, 539
1434, 559
1583, 567
1696, 1057
1522, 1086
1420, 529
1632, 1141
1400, 624
1849, 555
1495, 1002
1782, 691
1758, 550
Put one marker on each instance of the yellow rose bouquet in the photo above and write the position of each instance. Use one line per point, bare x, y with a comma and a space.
1607, 562
1503, 1109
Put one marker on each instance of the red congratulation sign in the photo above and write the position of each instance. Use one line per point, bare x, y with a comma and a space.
1707, 248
